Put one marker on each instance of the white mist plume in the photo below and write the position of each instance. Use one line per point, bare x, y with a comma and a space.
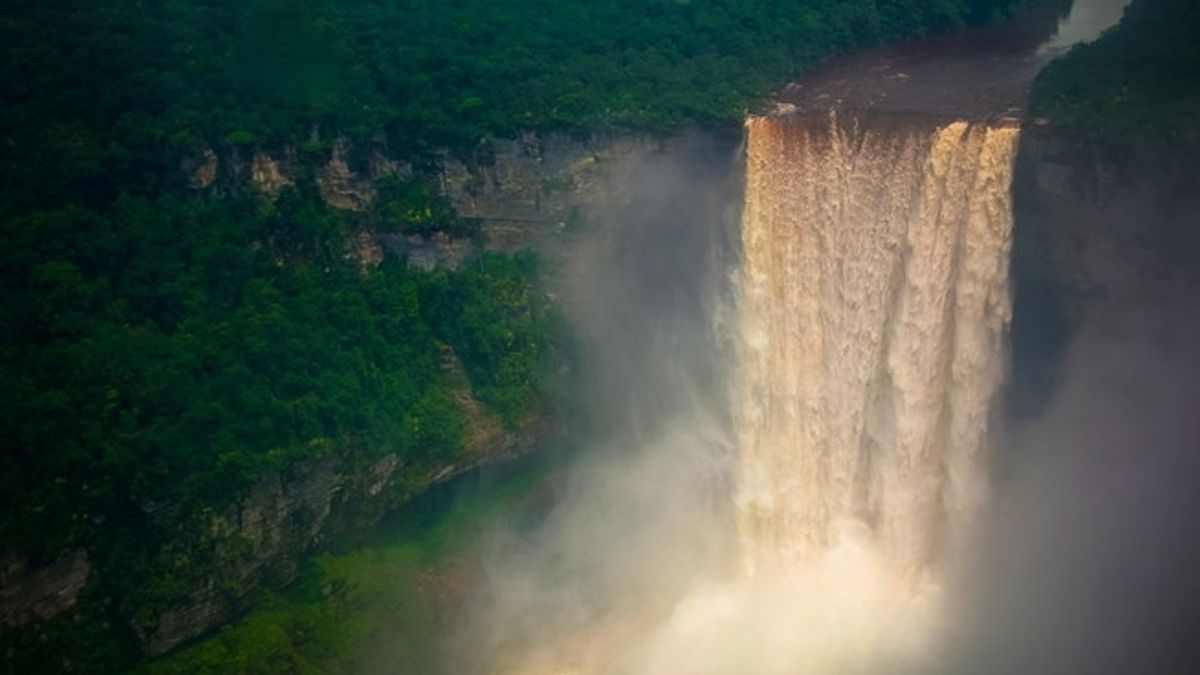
1087, 559
643, 514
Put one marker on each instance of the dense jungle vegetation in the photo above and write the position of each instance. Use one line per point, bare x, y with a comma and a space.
98, 87
160, 349
1139, 83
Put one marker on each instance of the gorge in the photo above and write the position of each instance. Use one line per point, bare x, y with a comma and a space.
887, 371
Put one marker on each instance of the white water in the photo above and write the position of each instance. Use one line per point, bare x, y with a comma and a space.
873, 317
874, 312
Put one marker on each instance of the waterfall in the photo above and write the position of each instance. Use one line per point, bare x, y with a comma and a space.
874, 311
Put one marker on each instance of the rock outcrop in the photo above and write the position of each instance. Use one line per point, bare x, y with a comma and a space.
263, 537
29, 591
534, 192
531, 192
260, 536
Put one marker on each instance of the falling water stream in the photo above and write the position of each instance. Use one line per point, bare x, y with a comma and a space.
873, 311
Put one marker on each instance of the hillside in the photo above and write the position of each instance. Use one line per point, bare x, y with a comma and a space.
200, 386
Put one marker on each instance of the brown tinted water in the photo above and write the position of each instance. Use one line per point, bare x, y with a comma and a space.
976, 74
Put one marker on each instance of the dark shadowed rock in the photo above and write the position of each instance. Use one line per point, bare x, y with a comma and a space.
30, 590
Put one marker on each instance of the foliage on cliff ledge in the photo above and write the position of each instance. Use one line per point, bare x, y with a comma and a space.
160, 356
386, 603
1138, 83
168, 351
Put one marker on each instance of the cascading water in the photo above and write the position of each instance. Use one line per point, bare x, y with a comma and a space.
871, 338
875, 305
873, 316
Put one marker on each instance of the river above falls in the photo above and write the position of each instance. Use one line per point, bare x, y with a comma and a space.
983, 73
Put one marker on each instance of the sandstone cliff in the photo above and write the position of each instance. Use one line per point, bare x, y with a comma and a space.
541, 192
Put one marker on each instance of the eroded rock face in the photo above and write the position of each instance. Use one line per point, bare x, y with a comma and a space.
261, 539
29, 590
201, 169
534, 191
346, 179
262, 535
1114, 220
1100, 228
366, 250
267, 175
431, 252
341, 187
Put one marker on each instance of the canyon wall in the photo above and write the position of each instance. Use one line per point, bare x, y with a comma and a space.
548, 193
1099, 226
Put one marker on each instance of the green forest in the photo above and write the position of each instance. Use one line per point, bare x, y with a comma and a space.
93, 88
1139, 83
162, 348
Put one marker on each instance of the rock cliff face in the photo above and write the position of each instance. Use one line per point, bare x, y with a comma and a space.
545, 193
29, 592
532, 192
1099, 228
258, 537
344, 170
262, 538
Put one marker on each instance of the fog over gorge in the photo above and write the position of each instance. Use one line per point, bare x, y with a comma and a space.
600, 337
1085, 555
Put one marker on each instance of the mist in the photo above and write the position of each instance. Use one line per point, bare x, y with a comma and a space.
1082, 560
643, 512
1087, 555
